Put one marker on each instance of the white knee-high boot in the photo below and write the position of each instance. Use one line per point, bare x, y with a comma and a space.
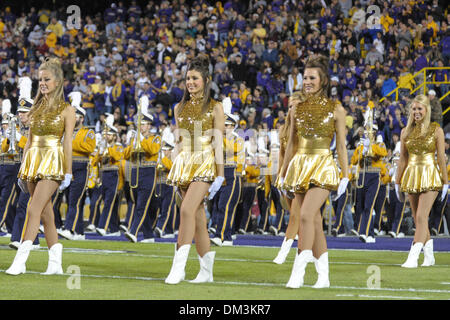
284, 251
18, 265
322, 269
54, 260
298, 270
177, 273
413, 255
428, 254
206, 268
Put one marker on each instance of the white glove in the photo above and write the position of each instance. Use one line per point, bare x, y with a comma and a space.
341, 189
444, 191
400, 195
23, 185
392, 172
66, 182
215, 186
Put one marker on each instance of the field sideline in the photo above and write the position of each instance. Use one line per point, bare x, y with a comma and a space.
110, 270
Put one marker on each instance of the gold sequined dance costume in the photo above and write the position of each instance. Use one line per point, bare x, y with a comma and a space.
195, 162
313, 162
44, 158
421, 173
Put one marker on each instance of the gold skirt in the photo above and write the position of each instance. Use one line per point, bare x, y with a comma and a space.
421, 174
192, 167
44, 160
311, 166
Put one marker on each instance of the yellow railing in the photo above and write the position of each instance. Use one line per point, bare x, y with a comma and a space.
423, 84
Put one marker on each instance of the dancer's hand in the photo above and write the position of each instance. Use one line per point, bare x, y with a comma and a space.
215, 186
444, 191
66, 182
400, 195
341, 189
23, 185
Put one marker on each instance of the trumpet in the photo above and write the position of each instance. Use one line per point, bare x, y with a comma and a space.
137, 150
370, 134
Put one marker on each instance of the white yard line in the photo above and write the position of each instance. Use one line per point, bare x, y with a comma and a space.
267, 284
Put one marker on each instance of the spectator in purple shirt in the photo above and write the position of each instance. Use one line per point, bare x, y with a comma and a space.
223, 26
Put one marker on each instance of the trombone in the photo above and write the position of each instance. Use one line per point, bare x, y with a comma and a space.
136, 150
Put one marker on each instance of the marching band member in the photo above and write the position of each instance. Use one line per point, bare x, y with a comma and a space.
109, 157
198, 168
129, 196
94, 188
263, 189
250, 181
143, 173
420, 175
83, 145
9, 166
165, 225
21, 204
339, 205
368, 159
396, 208
310, 171
226, 199
382, 193
47, 163
275, 195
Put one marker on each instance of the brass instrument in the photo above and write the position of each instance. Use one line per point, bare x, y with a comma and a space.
370, 135
159, 172
136, 149
12, 121
99, 181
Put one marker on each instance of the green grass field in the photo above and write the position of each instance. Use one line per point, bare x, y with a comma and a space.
123, 270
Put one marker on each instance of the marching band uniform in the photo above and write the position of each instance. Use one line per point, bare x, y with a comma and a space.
382, 193
94, 191
263, 192
83, 144
146, 182
9, 166
395, 208
368, 185
129, 198
275, 194
250, 181
227, 198
339, 210
20, 204
165, 225
110, 160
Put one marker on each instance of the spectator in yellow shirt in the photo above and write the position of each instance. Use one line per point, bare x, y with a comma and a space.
51, 39
55, 27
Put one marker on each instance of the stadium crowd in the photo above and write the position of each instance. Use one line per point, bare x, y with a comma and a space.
257, 49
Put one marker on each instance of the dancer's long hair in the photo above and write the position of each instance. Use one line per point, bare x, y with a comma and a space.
321, 63
423, 100
201, 65
53, 65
